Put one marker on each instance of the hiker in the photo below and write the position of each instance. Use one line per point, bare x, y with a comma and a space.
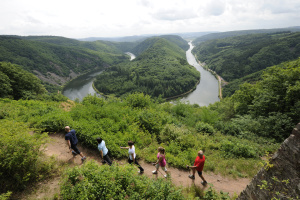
161, 161
132, 155
198, 165
103, 151
72, 141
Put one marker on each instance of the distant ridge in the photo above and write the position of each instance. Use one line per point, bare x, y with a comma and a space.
221, 35
140, 38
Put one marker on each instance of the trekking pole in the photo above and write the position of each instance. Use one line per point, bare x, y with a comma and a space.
160, 172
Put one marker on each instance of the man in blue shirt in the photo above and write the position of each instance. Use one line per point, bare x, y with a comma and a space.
103, 151
72, 141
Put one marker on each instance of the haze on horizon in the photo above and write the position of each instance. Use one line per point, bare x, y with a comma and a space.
114, 18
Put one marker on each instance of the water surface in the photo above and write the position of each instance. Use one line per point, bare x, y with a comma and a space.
207, 90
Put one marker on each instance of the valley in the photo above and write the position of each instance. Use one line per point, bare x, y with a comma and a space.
238, 133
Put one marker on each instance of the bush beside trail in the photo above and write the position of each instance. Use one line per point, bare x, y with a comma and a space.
22, 161
117, 182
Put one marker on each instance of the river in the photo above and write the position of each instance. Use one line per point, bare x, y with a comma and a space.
207, 90
205, 93
81, 86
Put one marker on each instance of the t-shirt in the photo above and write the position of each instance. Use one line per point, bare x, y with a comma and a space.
163, 162
131, 151
72, 137
199, 162
102, 148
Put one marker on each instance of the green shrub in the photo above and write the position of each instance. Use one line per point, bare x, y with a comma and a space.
92, 181
151, 121
204, 127
20, 156
93, 99
5, 196
171, 132
51, 122
236, 149
138, 100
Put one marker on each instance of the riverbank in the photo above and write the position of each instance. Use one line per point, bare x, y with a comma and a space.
80, 75
221, 81
186, 93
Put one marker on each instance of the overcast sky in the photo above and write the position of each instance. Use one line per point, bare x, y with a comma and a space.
111, 18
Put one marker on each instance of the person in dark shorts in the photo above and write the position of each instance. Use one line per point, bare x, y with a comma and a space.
72, 141
103, 151
198, 166
132, 155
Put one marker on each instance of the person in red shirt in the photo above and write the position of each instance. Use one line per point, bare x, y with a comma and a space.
198, 165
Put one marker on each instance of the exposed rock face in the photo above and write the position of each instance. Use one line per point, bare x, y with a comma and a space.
282, 180
54, 78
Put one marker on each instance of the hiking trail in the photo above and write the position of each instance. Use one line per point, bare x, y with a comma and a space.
57, 147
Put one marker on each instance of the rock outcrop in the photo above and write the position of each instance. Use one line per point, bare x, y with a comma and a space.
280, 177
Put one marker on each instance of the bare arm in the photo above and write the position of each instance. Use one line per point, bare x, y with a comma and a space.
69, 144
101, 154
124, 147
159, 160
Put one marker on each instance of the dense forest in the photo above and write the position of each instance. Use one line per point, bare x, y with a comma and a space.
221, 35
236, 57
160, 69
56, 60
17, 83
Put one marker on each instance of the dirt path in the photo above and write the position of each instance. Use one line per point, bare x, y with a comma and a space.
179, 177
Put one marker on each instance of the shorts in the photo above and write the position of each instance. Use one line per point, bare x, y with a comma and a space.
74, 147
199, 173
163, 168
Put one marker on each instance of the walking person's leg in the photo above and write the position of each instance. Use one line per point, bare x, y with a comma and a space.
165, 170
193, 175
156, 168
139, 166
204, 182
76, 150
107, 159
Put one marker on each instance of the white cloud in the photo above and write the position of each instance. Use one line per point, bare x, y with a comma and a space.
99, 18
174, 14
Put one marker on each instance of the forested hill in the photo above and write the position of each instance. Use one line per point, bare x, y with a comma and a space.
160, 69
142, 46
56, 59
100, 46
236, 57
221, 35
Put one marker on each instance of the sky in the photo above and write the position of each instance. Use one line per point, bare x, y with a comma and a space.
116, 18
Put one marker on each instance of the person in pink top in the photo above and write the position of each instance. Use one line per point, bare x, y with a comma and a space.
161, 161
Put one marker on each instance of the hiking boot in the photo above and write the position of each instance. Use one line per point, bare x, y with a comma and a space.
191, 176
74, 153
83, 158
203, 182
154, 172
140, 172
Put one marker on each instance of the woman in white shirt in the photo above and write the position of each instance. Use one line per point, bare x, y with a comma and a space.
132, 155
